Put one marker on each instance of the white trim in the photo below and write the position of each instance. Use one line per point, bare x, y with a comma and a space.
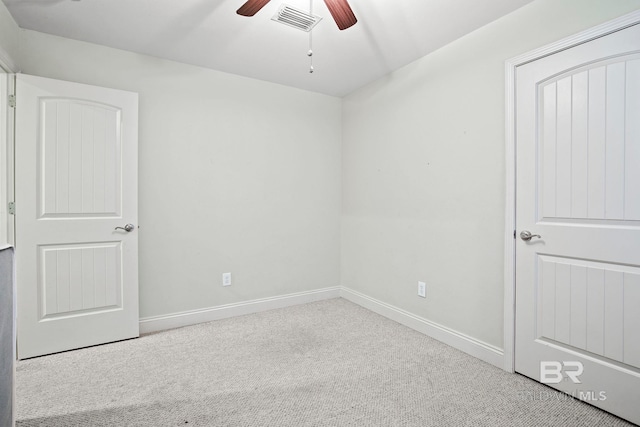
9, 147
602, 30
596, 32
7, 87
510, 221
462, 342
4, 156
6, 62
193, 317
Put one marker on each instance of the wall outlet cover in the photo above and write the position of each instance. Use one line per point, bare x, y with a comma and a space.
422, 289
226, 279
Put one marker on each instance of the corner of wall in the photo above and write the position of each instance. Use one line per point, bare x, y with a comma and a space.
9, 40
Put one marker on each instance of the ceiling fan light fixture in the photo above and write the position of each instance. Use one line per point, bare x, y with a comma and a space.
296, 18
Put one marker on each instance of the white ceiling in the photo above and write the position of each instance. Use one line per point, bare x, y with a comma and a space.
208, 33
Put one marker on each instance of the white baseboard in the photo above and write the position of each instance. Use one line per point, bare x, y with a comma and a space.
472, 346
193, 317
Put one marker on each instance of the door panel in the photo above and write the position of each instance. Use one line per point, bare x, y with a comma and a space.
76, 181
582, 302
578, 187
80, 278
80, 165
588, 158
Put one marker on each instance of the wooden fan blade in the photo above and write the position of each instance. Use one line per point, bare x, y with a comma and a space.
341, 12
251, 7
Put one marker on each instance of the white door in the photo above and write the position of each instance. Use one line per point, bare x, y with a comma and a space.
578, 187
76, 181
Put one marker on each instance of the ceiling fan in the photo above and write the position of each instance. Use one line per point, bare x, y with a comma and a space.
340, 10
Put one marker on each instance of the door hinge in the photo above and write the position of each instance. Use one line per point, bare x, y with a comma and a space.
12, 101
12, 208
514, 234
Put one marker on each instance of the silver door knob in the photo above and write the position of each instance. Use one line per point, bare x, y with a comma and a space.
128, 228
526, 235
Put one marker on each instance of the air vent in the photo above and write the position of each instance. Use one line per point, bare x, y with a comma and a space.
296, 18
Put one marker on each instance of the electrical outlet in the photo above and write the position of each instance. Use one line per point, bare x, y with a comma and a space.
226, 279
422, 289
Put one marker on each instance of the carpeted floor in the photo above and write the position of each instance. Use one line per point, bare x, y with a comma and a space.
329, 363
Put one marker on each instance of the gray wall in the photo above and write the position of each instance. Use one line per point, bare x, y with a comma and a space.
424, 171
9, 36
236, 175
7, 340
417, 158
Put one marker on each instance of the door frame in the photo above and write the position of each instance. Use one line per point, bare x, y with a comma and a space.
511, 65
8, 68
7, 87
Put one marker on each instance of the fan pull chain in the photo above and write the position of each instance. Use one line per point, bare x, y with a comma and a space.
310, 52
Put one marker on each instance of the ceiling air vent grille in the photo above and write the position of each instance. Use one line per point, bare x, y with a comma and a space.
296, 18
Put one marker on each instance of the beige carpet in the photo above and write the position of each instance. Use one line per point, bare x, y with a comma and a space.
330, 363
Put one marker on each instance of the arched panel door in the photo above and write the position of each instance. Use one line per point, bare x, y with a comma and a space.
76, 190
578, 220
